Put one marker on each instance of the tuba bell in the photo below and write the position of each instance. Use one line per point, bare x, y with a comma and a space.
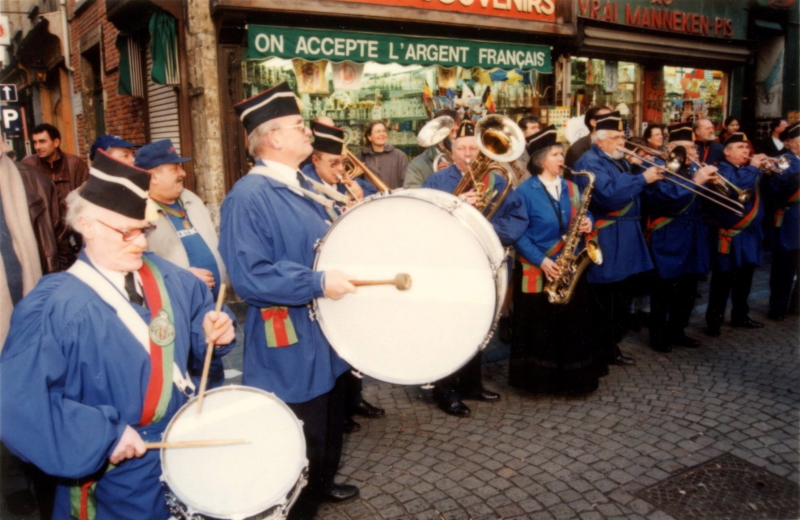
499, 140
435, 133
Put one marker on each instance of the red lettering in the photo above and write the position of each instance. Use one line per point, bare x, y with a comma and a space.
616, 12
695, 24
585, 7
728, 29
718, 24
667, 19
704, 23
645, 18
608, 13
655, 18
596, 5
677, 22
631, 18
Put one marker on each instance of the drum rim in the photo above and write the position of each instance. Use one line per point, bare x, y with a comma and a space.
284, 493
494, 268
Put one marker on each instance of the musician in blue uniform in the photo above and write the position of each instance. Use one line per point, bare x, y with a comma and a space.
95, 362
552, 350
327, 166
709, 151
509, 223
271, 220
783, 189
735, 241
677, 234
616, 208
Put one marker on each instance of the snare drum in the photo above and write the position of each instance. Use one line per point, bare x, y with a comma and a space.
257, 480
458, 274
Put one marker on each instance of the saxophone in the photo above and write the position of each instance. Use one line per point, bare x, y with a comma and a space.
560, 290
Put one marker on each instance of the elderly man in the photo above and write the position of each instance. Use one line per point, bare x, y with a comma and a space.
784, 191
116, 147
184, 234
422, 166
584, 144
510, 222
83, 384
616, 207
735, 240
709, 151
677, 235
271, 220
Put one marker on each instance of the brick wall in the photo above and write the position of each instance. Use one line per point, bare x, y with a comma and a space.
124, 115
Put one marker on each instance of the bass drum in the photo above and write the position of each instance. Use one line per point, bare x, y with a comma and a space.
459, 279
259, 479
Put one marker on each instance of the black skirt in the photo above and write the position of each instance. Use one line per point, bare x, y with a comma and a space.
553, 350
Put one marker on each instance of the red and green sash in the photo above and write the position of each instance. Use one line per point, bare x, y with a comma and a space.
331, 210
726, 235
780, 212
174, 212
489, 182
604, 223
278, 327
654, 224
83, 504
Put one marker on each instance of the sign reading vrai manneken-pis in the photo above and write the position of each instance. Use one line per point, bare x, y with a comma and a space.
311, 44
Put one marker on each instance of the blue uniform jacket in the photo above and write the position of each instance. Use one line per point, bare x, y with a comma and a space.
367, 187
267, 238
679, 247
778, 189
72, 376
509, 222
624, 249
710, 153
745, 247
543, 229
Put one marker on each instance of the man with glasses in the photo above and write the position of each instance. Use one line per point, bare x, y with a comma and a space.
271, 220
616, 209
95, 361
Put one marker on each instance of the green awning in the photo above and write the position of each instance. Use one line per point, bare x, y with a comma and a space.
313, 44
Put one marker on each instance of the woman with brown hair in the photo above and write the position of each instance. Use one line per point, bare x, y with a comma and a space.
388, 162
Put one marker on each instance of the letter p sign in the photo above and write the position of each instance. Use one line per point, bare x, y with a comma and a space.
12, 123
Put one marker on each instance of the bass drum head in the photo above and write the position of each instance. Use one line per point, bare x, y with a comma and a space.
236, 481
429, 331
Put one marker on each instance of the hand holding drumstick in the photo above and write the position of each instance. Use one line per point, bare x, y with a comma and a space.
337, 283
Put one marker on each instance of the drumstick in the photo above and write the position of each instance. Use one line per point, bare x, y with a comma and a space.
402, 281
192, 444
209, 352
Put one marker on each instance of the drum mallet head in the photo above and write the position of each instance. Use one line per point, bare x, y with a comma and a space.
402, 281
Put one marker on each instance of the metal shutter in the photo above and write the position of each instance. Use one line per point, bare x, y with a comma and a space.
162, 108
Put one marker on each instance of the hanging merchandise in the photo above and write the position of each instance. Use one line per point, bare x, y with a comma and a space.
481, 76
447, 77
498, 75
347, 75
310, 76
612, 68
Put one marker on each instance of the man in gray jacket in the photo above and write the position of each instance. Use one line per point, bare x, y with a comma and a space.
422, 166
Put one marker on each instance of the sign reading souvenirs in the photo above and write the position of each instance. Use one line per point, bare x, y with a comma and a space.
312, 45
538, 10
707, 18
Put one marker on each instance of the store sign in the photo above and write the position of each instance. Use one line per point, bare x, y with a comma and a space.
536, 10
309, 44
707, 18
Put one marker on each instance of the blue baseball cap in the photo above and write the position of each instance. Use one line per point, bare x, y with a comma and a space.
104, 142
155, 154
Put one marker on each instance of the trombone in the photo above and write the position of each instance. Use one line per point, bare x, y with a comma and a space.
676, 160
353, 168
435, 133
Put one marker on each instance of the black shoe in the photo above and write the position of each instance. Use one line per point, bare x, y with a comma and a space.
456, 408
622, 359
483, 395
747, 323
776, 316
660, 346
367, 410
350, 426
712, 332
682, 340
504, 330
341, 493
21, 502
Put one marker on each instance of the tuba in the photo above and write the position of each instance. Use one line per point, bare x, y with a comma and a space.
353, 168
435, 133
571, 266
499, 140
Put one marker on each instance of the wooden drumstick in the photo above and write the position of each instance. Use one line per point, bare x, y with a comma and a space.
209, 352
192, 444
402, 281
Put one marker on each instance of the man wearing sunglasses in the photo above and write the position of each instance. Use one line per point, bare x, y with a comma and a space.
95, 363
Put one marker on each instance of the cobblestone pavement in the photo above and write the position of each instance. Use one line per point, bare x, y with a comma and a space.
534, 457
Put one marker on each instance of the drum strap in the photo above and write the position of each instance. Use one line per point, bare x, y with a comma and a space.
319, 199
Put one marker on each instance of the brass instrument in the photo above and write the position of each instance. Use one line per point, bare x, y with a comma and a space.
775, 165
353, 168
499, 140
435, 133
571, 266
673, 166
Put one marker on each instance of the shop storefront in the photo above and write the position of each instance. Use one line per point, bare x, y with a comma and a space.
398, 73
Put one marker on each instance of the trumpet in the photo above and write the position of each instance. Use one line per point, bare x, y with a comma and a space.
775, 165
435, 133
353, 168
677, 158
499, 140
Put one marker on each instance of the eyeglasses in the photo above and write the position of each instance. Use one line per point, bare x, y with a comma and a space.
301, 126
335, 163
132, 234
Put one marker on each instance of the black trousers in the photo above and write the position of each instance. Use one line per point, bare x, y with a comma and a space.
785, 266
323, 422
610, 305
464, 381
736, 284
671, 305
352, 385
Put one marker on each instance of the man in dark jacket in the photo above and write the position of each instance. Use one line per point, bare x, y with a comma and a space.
584, 144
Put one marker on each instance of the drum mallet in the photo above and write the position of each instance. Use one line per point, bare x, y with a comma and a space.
402, 281
209, 354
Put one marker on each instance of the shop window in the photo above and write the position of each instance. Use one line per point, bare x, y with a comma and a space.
691, 94
404, 97
93, 94
615, 84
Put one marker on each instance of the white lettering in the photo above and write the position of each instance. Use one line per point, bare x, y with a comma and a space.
302, 46
392, 55
410, 53
373, 49
262, 43
467, 2
276, 43
502, 4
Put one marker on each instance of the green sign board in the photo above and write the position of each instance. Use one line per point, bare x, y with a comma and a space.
312, 45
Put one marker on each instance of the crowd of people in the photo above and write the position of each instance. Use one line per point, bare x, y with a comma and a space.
99, 355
